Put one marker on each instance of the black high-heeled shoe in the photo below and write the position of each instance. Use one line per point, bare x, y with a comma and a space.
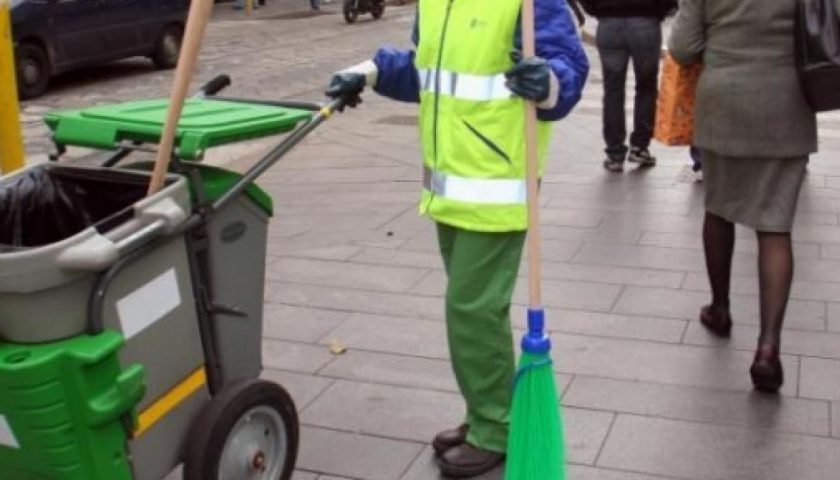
766, 371
719, 322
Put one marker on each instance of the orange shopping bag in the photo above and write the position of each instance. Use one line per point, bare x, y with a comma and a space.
675, 106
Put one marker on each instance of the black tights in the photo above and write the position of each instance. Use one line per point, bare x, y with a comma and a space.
775, 273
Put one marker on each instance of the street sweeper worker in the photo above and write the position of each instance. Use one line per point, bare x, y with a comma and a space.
472, 85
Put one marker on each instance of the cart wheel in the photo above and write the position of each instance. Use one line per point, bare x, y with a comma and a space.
350, 12
378, 9
33, 70
248, 431
168, 48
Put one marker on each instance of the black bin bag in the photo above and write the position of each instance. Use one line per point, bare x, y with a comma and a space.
818, 52
50, 203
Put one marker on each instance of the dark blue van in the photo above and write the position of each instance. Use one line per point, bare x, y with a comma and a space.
54, 36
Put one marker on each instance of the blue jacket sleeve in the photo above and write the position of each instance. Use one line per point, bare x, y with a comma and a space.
398, 77
558, 42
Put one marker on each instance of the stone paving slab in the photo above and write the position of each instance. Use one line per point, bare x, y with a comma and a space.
820, 379
303, 388
660, 302
580, 472
573, 295
719, 407
389, 334
345, 274
385, 411
745, 244
835, 419
354, 455
833, 317
295, 357
656, 362
797, 342
586, 431
706, 452
285, 322
801, 289
610, 325
349, 300
394, 369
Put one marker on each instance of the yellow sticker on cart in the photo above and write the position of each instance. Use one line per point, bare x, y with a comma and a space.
171, 400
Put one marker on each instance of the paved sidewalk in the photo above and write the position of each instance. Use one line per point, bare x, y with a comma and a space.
647, 394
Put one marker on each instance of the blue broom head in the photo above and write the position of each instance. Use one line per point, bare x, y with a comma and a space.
536, 341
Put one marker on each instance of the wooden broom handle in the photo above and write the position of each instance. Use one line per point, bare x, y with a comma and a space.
532, 168
197, 21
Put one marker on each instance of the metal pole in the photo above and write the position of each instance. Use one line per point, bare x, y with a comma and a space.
278, 152
11, 143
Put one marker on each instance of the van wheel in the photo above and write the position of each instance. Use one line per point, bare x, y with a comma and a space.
168, 48
33, 70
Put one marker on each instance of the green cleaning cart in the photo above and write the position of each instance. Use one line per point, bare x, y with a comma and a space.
130, 326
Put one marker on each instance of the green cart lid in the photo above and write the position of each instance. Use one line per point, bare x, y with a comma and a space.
204, 124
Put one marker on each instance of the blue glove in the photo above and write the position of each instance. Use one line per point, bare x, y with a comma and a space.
530, 78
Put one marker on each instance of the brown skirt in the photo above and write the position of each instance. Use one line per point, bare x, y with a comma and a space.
760, 193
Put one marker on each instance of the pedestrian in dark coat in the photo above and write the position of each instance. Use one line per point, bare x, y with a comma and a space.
629, 31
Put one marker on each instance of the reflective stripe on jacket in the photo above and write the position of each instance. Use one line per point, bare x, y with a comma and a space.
471, 125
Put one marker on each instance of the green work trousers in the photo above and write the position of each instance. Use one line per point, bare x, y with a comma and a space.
481, 270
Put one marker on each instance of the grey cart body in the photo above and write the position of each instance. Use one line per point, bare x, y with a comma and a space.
180, 276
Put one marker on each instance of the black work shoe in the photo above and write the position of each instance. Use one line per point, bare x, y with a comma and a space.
641, 156
466, 461
614, 163
447, 439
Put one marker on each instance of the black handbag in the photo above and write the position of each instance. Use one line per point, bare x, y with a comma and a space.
818, 53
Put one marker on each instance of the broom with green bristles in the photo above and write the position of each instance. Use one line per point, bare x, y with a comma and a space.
536, 450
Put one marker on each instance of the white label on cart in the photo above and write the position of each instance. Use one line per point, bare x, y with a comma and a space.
142, 308
7, 436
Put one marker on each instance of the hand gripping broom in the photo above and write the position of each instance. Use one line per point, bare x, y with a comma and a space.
536, 449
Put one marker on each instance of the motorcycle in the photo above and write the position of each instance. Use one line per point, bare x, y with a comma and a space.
354, 8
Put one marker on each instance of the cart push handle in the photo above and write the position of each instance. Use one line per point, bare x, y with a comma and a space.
220, 82
214, 86
323, 114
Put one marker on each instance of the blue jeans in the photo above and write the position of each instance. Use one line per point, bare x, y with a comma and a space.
620, 41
